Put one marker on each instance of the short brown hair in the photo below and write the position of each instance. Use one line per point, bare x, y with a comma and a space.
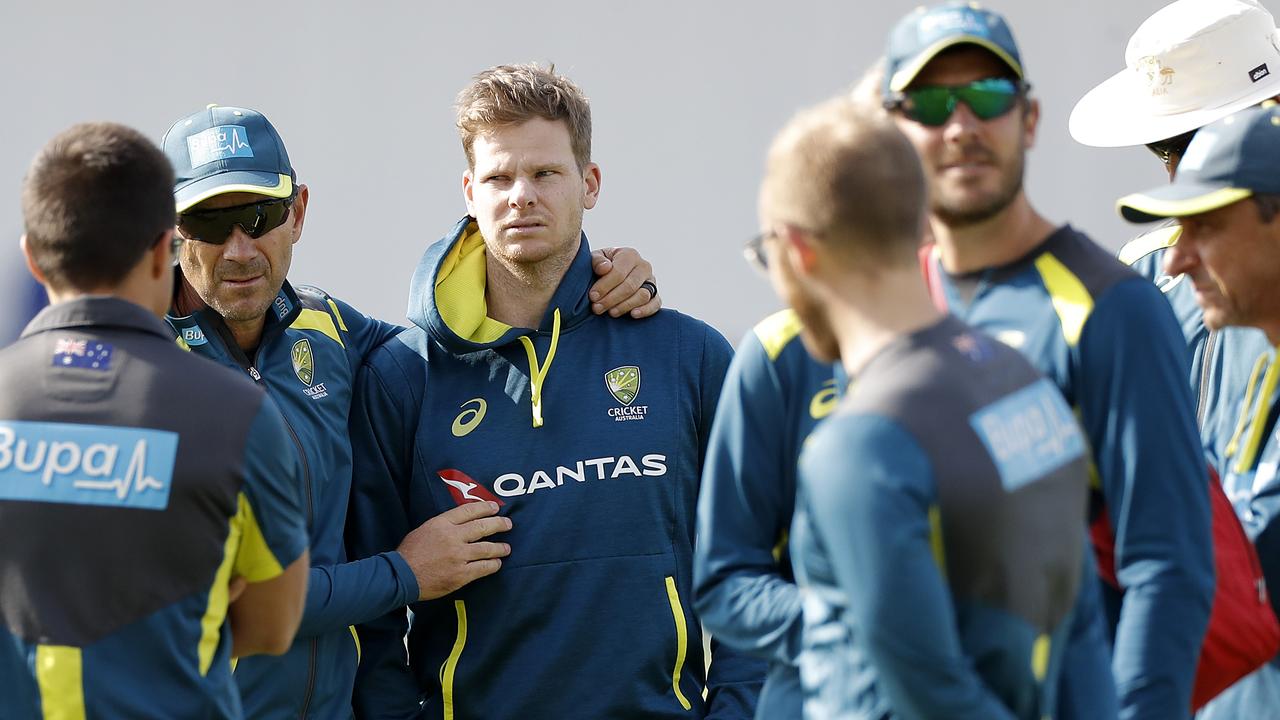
844, 171
95, 198
511, 94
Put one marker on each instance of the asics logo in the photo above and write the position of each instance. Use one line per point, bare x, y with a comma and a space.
470, 417
824, 401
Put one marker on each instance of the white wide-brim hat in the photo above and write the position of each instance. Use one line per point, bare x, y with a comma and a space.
1192, 62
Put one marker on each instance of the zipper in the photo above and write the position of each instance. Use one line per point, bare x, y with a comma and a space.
311, 678
1206, 357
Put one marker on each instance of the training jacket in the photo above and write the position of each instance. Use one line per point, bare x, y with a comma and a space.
310, 349
590, 434
773, 396
1109, 342
135, 482
937, 538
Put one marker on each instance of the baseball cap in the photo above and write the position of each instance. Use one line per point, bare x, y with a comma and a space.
1226, 162
224, 149
1192, 62
924, 33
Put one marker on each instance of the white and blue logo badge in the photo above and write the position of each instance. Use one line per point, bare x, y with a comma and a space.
193, 336
86, 464
1029, 434
218, 143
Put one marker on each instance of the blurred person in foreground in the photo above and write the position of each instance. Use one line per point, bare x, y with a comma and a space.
150, 512
938, 547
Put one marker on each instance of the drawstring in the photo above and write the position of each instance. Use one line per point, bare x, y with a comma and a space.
1254, 417
538, 374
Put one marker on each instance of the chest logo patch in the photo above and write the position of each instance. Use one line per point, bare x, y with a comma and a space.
304, 363
623, 383
464, 490
472, 414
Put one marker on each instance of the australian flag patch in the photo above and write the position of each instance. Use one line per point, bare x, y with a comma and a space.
89, 354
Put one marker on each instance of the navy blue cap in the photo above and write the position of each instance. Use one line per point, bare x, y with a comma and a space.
1226, 162
925, 32
224, 149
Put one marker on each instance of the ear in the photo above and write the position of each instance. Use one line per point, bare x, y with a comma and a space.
468, 191
161, 255
799, 251
591, 185
300, 211
1030, 122
31, 262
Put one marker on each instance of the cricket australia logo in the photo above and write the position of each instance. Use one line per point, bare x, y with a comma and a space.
304, 366
623, 383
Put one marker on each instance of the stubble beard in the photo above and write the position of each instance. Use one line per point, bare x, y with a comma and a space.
956, 214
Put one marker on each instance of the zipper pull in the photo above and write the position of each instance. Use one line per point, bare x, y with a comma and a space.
253, 373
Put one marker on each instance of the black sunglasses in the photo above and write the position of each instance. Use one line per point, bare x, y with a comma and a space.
1169, 148
988, 98
255, 219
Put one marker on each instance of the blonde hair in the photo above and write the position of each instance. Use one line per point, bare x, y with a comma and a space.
512, 94
847, 174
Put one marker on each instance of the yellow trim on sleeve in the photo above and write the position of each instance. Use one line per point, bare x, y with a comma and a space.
254, 561
936, 540
460, 287
320, 320
182, 343
1147, 243
1259, 420
775, 331
215, 612
338, 314
1145, 208
682, 641
60, 675
1040, 656
450, 667
1246, 407
1071, 300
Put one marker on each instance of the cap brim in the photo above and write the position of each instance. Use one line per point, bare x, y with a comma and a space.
1110, 115
1175, 201
908, 71
258, 183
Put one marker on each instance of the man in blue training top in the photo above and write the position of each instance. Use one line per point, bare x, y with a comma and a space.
937, 538
954, 84
1226, 198
241, 210
588, 435
150, 512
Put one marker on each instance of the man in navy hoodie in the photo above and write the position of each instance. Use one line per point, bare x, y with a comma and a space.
588, 436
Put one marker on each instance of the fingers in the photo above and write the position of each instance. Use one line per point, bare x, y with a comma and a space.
467, 512
480, 568
487, 550
484, 527
620, 283
625, 296
649, 308
235, 588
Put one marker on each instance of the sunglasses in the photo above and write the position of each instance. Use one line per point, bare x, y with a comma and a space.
255, 219
755, 253
988, 98
1169, 148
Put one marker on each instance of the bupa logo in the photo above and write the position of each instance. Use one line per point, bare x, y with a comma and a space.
464, 490
193, 336
218, 143
304, 364
623, 383
281, 306
86, 464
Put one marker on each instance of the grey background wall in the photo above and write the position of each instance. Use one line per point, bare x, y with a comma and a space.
685, 96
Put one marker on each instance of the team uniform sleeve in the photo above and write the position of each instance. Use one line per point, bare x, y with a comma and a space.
734, 679
362, 333
869, 487
377, 520
741, 594
273, 525
355, 592
1137, 411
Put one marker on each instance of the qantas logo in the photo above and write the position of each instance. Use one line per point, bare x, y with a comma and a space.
464, 489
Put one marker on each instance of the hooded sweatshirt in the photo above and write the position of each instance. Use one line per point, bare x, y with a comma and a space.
590, 434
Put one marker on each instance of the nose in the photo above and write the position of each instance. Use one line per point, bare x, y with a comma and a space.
522, 194
962, 123
1182, 257
239, 246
